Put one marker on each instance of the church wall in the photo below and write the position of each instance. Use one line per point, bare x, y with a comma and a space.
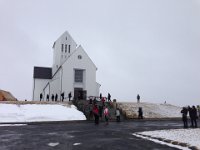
63, 70
38, 86
63, 48
89, 68
55, 88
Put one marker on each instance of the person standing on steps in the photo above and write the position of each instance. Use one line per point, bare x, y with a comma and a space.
100, 96
138, 98
109, 97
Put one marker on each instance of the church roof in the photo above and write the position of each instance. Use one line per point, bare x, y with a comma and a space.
42, 73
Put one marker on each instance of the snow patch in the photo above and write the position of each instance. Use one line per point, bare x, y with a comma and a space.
161, 142
189, 136
6, 125
75, 144
53, 144
38, 112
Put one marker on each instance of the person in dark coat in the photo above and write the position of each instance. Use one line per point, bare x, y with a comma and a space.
56, 97
184, 112
100, 110
69, 96
90, 111
138, 98
100, 96
194, 117
140, 113
41, 96
52, 97
190, 113
109, 97
47, 98
96, 114
62, 96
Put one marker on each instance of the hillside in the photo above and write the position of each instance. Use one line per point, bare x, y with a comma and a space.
150, 110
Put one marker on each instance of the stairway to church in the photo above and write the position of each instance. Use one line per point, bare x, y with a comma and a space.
85, 107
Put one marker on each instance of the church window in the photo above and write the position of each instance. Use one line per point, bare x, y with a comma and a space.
78, 76
79, 57
69, 49
65, 48
62, 47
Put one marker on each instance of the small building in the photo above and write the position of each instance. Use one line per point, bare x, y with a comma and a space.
72, 72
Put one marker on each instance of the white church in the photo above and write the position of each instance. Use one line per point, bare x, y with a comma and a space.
72, 72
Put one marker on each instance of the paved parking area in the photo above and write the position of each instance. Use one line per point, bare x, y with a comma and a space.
83, 135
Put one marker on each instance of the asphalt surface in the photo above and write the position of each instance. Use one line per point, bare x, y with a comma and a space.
83, 136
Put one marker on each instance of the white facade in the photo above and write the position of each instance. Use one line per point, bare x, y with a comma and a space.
72, 71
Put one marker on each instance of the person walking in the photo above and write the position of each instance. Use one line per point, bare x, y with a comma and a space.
140, 113
62, 96
41, 96
184, 112
194, 117
47, 98
117, 115
96, 114
190, 114
198, 110
90, 111
138, 98
106, 114
69, 96
56, 97
52, 97
100, 109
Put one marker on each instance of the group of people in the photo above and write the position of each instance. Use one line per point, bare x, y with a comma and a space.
193, 112
101, 111
108, 98
55, 97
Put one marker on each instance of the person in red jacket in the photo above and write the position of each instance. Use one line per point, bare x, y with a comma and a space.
96, 114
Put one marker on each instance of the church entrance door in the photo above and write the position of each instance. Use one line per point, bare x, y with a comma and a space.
80, 94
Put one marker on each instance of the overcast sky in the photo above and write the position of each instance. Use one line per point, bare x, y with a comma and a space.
146, 47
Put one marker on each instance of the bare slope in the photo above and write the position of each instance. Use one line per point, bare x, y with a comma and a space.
150, 110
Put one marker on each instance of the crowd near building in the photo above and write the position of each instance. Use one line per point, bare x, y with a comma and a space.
72, 75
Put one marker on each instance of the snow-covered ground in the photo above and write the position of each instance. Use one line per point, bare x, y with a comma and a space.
188, 136
38, 112
151, 110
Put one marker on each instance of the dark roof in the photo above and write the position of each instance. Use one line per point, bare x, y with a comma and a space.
42, 73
